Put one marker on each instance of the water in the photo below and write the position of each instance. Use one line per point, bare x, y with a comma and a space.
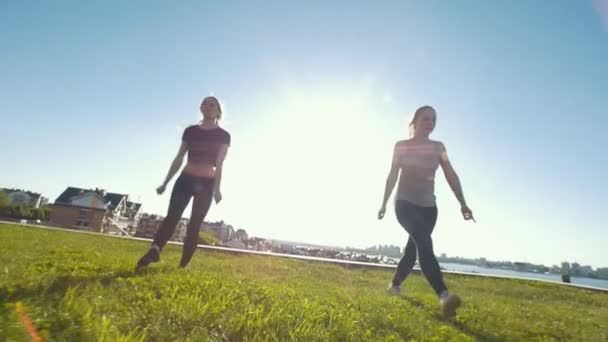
602, 283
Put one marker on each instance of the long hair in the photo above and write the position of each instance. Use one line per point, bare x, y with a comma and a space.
417, 113
217, 103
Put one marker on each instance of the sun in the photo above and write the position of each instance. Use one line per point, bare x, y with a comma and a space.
318, 152
332, 122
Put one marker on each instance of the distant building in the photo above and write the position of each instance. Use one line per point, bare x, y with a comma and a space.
234, 244
219, 230
602, 272
585, 271
134, 213
26, 198
520, 266
566, 268
259, 244
483, 262
94, 210
384, 250
240, 235
149, 224
180, 230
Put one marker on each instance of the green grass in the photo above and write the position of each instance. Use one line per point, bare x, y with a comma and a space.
80, 287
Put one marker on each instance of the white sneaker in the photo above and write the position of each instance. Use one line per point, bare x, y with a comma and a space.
393, 290
448, 305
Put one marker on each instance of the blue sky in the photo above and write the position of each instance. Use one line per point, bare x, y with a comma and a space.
315, 94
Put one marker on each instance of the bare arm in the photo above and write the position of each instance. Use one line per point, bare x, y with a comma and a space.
391, 180
454, 182
177, 163
219, 166
451, 176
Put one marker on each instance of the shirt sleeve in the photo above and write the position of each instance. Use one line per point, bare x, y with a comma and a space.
227, 139
442, 148
185, 134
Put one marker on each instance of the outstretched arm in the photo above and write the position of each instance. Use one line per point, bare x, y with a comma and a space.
219, 167
175, 166
454, 182
391, 180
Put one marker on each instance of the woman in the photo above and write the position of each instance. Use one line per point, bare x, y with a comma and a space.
418, 158
206, 145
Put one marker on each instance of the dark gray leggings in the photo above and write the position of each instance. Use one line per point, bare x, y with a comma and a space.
186, 187
419, 222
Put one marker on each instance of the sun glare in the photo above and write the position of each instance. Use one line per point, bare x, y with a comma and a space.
317, 146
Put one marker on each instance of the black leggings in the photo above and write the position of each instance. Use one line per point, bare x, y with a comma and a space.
419, 222
185, 187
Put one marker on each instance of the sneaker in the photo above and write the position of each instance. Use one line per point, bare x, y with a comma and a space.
393, 290
448, 304
152, 255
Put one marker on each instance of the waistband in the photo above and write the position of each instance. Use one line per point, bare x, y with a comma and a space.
193, 178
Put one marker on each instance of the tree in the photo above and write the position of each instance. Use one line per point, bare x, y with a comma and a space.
23, 211
16, 211
45, 213
208, 239
42, 213
34, 214
4, 200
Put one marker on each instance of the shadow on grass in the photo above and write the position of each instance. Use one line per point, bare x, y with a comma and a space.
413, 302
476, 334
479, 336
61, 284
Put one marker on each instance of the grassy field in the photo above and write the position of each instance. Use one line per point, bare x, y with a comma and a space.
80, 287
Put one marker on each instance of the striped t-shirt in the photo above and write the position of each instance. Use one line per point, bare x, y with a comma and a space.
418, 164
204, 144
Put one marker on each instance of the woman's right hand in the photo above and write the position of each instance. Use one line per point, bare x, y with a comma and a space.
161, 189
467, 213
381, 212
